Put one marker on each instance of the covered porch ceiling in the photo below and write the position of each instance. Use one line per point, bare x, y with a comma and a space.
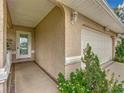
97, 10
28, 12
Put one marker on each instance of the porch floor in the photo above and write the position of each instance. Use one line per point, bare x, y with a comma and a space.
29, 78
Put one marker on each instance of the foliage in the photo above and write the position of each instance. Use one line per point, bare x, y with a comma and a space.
76, 83
94, 75
119, 11
119, 54
91, 80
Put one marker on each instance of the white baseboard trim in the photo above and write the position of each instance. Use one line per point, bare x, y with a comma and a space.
14, 52
72, 60
23, 60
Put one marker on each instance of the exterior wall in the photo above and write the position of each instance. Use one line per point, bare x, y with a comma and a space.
1, 88
9, 20
2, 32
71, 68
73, 35
50, 42
73, 32
11, 35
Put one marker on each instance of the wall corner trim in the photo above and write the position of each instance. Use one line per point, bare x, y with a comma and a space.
72, 60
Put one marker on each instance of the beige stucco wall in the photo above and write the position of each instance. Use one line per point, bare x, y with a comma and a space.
73, 32
11, 35
3, 86
50, 42
3, 21
1, 33
71, 68
3, 30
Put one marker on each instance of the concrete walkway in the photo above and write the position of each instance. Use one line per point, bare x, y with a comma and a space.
117, 69
29, 78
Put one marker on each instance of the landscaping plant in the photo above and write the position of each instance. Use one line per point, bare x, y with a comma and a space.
91, 80
119, 54
119, 11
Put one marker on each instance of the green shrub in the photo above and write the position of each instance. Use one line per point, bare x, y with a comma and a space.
76, 83
119, 54
91, 80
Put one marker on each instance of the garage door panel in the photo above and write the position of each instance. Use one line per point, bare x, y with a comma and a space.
100, 42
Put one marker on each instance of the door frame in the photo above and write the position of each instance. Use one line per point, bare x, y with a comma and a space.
18, 56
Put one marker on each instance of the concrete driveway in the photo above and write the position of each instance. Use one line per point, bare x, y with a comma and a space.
117, 69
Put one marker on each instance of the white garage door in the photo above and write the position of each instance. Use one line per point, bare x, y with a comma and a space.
100, 42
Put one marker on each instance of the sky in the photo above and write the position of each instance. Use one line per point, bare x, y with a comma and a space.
114, 3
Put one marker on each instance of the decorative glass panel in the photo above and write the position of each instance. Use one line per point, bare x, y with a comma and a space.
23, 44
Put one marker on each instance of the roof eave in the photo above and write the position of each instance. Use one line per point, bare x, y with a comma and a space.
111, 12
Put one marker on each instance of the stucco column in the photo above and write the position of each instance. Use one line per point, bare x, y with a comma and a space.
1, 33
113, 46
3, 23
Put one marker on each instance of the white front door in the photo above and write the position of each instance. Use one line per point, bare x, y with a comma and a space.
23, 45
